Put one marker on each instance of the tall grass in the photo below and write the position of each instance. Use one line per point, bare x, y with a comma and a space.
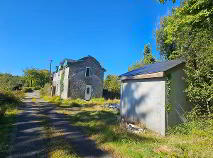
8, 99
79, 102
8, 110
192, 139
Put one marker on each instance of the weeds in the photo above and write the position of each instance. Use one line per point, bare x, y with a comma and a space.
6, 127
79, 102
56, 145
102, 125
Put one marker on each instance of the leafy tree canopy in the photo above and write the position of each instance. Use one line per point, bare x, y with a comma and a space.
36, 78
8, 81
112, 84
187, 33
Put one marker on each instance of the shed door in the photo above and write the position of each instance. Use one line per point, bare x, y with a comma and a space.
88, 92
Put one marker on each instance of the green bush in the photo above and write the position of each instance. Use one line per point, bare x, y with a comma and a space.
11, 96
197, 124
28, 89
54, 99
46, 91
8, 99
9, 82
37, 88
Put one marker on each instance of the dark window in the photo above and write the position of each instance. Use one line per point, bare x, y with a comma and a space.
88, 90
88, 72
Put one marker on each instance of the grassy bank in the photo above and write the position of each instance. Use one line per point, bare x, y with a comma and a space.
6, 127
9, 101
102, 125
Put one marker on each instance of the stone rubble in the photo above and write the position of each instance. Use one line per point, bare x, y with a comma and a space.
112, 106
132, 128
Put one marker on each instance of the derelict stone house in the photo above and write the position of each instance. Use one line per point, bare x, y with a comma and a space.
154, 95
81, 78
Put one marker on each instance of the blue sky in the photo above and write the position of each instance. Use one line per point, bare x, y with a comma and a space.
113, 31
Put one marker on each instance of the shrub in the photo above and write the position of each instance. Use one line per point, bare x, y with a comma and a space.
197, 124
9, 99
54, 99
111, 87
46, 91
11, 96
27, 89
37, 88
10, 82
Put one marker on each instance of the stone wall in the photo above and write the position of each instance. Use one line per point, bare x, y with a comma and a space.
75, 80
78, 80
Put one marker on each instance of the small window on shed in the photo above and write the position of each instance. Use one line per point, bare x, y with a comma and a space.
87, 72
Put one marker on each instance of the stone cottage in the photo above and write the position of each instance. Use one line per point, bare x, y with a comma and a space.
81, 78
154, 95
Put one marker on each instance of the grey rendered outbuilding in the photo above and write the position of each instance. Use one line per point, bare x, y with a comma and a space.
144, 96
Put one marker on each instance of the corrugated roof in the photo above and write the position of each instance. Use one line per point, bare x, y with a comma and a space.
153, 68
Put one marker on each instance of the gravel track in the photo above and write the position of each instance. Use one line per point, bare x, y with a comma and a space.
30, 140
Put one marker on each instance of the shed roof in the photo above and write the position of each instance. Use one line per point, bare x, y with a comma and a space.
153, 68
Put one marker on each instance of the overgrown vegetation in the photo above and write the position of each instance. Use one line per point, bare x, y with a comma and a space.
10, 82
78, 102
56, 146
9, 100
7, 127
36, 78
103, 126
8, 110
46, 90
28, 89
187, 33
112, 87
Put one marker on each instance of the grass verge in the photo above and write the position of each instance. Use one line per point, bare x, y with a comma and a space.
57, 146
102, 125
68, 103
6, 127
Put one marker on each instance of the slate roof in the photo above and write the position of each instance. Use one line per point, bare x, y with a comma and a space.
153, 68
71, 61
68, 60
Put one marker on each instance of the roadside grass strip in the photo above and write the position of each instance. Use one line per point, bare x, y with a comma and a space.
57, 147
103, 126
6, 129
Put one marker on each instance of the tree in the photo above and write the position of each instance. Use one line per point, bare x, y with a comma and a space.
147, 59
112, 83
36, 78
187, 33
8, 81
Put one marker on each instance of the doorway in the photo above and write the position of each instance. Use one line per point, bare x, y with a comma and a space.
88, 92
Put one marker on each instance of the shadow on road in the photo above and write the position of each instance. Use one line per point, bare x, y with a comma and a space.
30, 139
